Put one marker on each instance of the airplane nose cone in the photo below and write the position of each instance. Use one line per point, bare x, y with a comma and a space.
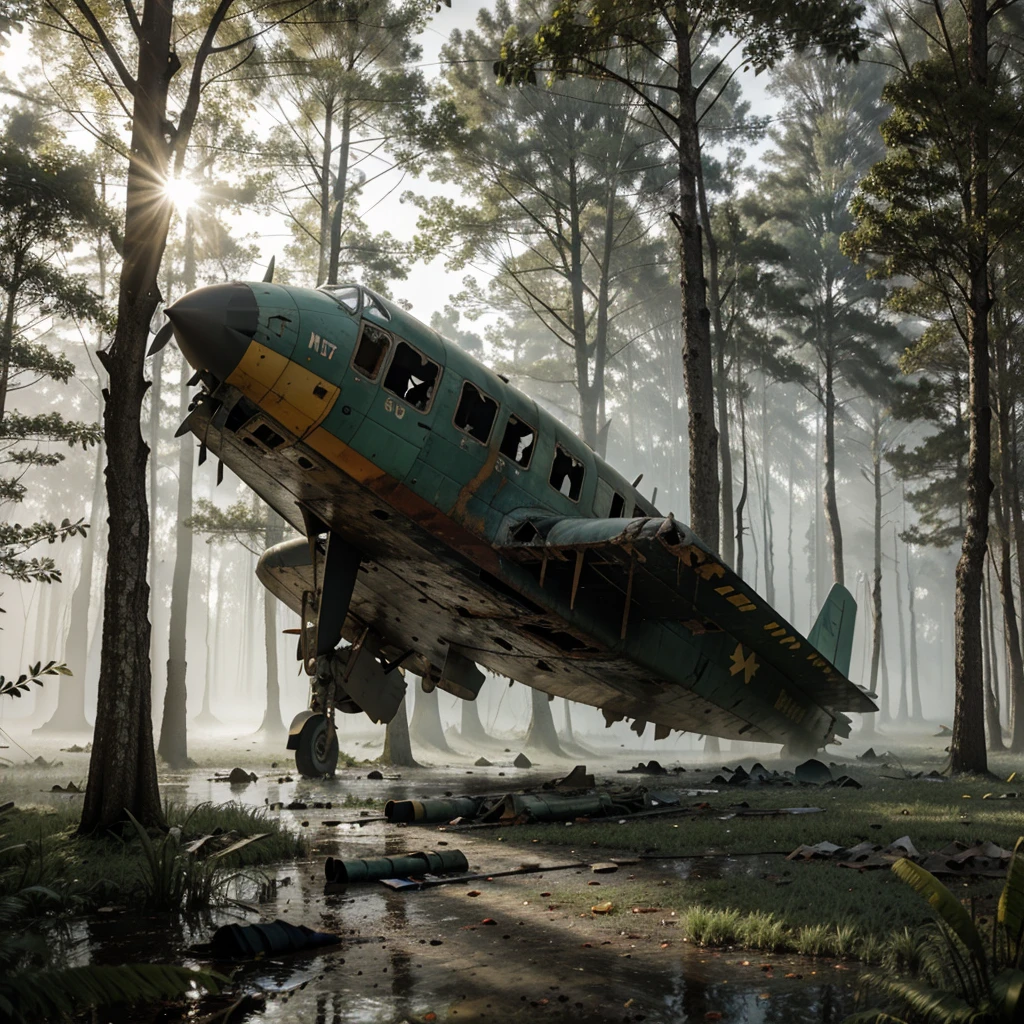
214, 325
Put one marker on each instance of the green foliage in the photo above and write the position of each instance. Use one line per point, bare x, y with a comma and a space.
15, 539
580, 33
243, 521
34, 986
35, 673
964, 979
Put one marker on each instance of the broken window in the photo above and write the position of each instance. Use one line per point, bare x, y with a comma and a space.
517, 444
371, 351
412, 377
371, 304
618, 509
475, 412
566, 474
346, 295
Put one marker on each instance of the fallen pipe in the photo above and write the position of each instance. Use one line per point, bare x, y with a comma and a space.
343, 871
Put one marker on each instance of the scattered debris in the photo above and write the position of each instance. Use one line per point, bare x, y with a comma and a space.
576, 779
524, 869
602, 908
984, 858
240, 777
431, 811
482, 762
375, 774
245, 941
76, 749
944, 731
651, 768
606, 868
416, 864
69, 788
812, 771
522, 761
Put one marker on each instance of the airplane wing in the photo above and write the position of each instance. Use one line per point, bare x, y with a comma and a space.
659, 569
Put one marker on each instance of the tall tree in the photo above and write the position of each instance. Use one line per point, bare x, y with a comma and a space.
607, 39
944, 200
122, 771
828, 141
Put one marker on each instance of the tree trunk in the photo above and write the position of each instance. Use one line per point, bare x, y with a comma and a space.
397, 746
835, 530
697, 374
741, 504
789, 536
903, 714
994, 686
425, 727
728, 551
173, 744
988, 649
876, 586
541, 735
70, 713
471, 729
767, 520
340, 190
122, 769
272, 724
567, 728
967, 748
916, 710
326, 152
206, 716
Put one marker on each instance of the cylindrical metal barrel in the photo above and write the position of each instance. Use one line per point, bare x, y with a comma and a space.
559, 807
428, 811
412, 864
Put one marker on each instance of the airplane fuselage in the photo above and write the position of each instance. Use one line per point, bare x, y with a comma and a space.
344, 407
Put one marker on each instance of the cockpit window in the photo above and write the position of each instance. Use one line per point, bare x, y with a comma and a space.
345, 295
566, 474
475, 413
518, 442
371, 304
412, 377
371, 351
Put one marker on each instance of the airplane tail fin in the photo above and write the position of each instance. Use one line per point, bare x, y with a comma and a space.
832, 633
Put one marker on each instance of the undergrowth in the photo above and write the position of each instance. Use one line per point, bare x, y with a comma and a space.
154, 870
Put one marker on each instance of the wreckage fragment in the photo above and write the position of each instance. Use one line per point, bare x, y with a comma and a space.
430, 811
417, 864
243, 941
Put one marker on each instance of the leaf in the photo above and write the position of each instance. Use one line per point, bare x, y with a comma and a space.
1011, 901
946, 906
235, 847
936, 1004
1008, 994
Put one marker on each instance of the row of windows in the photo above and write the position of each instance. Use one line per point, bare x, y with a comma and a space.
413, 378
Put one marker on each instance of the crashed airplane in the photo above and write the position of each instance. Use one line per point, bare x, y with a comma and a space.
450, 523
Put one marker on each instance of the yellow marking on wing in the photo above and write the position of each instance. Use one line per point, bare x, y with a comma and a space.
709, 571
746, 664
258, 371
738, 599
748, 608
770, 626
723, 590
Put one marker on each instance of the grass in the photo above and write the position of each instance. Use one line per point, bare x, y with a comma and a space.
767, 903
41, 848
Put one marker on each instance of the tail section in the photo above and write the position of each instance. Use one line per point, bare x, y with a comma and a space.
832, 633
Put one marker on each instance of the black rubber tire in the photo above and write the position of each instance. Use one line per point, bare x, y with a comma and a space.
314, 758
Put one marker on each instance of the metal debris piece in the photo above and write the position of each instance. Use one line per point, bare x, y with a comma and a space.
482, 762
244, 941
651, 768
417, 864
812, 771
432, 811
576, 779
522, 761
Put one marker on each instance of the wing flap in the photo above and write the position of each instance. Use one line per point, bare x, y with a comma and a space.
670, 574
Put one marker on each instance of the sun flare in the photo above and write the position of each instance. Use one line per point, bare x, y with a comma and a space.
184, 194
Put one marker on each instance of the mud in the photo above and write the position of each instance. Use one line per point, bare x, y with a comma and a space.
427, 955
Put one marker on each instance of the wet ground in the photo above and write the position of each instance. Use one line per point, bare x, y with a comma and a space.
429, 955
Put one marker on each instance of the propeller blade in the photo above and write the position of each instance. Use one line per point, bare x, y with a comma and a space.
268, 277
163, 336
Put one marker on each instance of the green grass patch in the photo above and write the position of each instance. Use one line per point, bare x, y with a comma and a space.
768, 903
40, 847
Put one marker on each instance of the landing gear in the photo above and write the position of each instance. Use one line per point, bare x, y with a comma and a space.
316, 750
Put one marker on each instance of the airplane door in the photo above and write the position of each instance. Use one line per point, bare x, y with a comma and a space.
400, 410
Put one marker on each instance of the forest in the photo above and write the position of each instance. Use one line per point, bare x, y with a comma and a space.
765, 258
